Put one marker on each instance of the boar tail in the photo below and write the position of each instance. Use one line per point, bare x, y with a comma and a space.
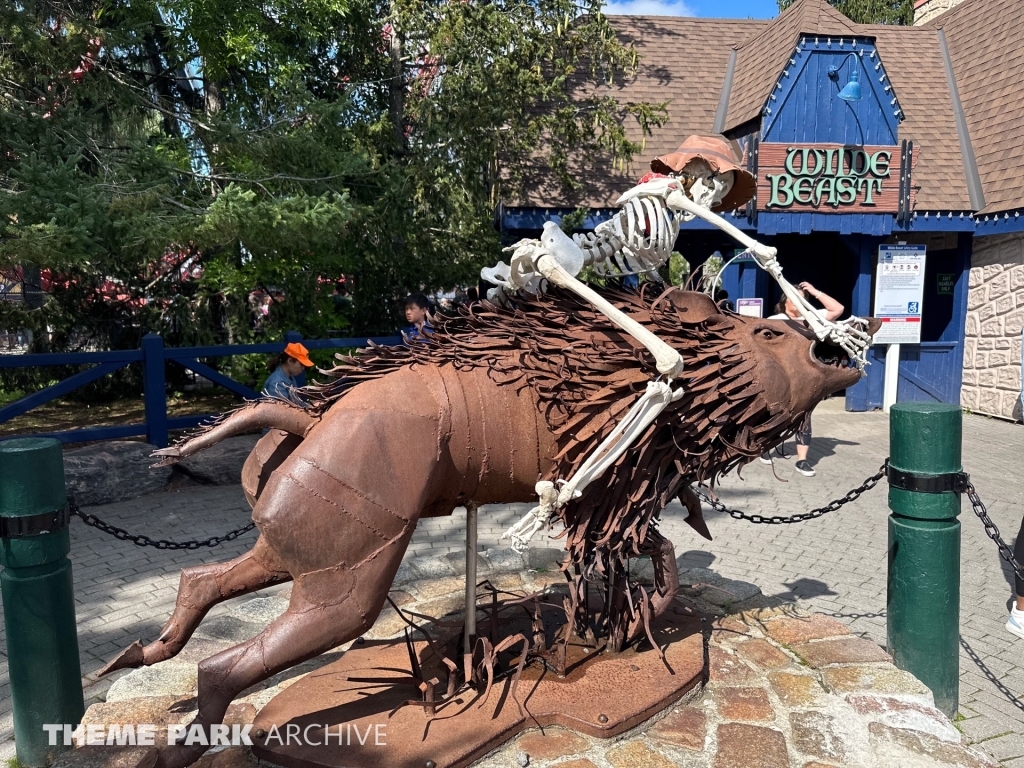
261, 414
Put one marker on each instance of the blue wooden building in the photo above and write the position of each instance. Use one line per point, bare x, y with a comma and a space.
935, 123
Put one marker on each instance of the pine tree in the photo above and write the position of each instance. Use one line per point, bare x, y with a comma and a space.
159, 162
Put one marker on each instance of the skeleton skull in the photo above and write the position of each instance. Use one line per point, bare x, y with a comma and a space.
705, 186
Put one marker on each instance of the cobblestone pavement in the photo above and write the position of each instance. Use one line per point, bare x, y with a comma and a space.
834, 565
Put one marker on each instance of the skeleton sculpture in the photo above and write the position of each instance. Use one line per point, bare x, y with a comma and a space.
639, 240
694, 181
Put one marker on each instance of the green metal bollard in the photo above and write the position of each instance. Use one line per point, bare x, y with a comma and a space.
923, 624
39, 602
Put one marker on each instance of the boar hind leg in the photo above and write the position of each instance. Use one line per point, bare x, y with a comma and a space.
666, 582
202, 587
329, 606
341, 521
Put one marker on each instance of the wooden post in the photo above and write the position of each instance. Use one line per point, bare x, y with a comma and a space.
923, 600
154, 389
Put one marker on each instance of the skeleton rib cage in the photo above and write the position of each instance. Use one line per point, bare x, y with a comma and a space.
637, 240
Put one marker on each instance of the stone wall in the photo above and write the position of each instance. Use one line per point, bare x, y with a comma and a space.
995, 314
929, 9
116, 470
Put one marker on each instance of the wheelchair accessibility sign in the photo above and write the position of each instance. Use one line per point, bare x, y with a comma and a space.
899, 291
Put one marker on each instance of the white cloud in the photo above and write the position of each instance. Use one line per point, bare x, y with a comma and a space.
649, 8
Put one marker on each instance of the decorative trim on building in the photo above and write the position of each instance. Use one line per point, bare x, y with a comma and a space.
974, 189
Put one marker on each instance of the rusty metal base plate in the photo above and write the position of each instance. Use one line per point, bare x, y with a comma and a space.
366, 725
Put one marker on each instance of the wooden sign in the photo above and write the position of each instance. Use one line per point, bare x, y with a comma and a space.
829, 178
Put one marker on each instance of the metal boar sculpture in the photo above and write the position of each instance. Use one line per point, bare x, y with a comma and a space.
493, 400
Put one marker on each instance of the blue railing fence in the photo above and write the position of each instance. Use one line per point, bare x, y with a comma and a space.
153, 355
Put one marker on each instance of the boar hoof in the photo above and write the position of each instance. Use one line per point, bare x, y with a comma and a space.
130, 658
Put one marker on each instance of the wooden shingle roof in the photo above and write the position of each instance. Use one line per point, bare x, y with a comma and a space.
987, 50
684, 62
912, 57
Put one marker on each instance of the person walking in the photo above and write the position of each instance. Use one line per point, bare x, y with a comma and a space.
284, 372
1015, 624
785, 310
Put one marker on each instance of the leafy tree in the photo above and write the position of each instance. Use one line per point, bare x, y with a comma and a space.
160, 161
870, 11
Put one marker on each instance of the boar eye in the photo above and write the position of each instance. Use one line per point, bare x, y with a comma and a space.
767, 333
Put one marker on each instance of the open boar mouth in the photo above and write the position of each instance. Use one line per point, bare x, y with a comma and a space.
830, 355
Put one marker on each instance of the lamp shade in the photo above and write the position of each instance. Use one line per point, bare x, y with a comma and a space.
851, 91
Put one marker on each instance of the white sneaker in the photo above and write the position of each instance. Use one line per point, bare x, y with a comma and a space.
1015, 626
766, 457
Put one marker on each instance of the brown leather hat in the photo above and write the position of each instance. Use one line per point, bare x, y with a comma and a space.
718, 154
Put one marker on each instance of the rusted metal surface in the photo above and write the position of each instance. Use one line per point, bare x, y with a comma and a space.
368, 690
492, 401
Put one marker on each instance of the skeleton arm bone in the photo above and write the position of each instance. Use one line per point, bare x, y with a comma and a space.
677, 199
764, 254
849, 334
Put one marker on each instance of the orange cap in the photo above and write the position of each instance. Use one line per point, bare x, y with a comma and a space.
300, 353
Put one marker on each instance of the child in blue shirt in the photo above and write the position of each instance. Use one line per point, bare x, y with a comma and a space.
417, 312
283, 381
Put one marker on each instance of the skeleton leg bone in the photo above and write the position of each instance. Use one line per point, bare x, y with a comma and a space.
626, 432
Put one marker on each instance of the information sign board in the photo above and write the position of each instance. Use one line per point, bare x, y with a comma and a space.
899, 290
750, 307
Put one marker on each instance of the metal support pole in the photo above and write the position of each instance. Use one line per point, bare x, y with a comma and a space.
891, 382
38, 598
923, 625
470, 633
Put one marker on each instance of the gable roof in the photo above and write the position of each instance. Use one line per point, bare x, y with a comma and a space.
913, 60
684, 61
987, 52
763, 56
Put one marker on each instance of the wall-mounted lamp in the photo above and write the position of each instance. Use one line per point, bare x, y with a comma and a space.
850, 91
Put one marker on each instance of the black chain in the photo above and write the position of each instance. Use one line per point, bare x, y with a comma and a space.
992, 530
141, 540
832, 506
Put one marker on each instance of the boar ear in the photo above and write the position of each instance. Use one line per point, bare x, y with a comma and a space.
691, 307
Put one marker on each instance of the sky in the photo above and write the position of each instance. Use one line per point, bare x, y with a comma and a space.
730, 9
